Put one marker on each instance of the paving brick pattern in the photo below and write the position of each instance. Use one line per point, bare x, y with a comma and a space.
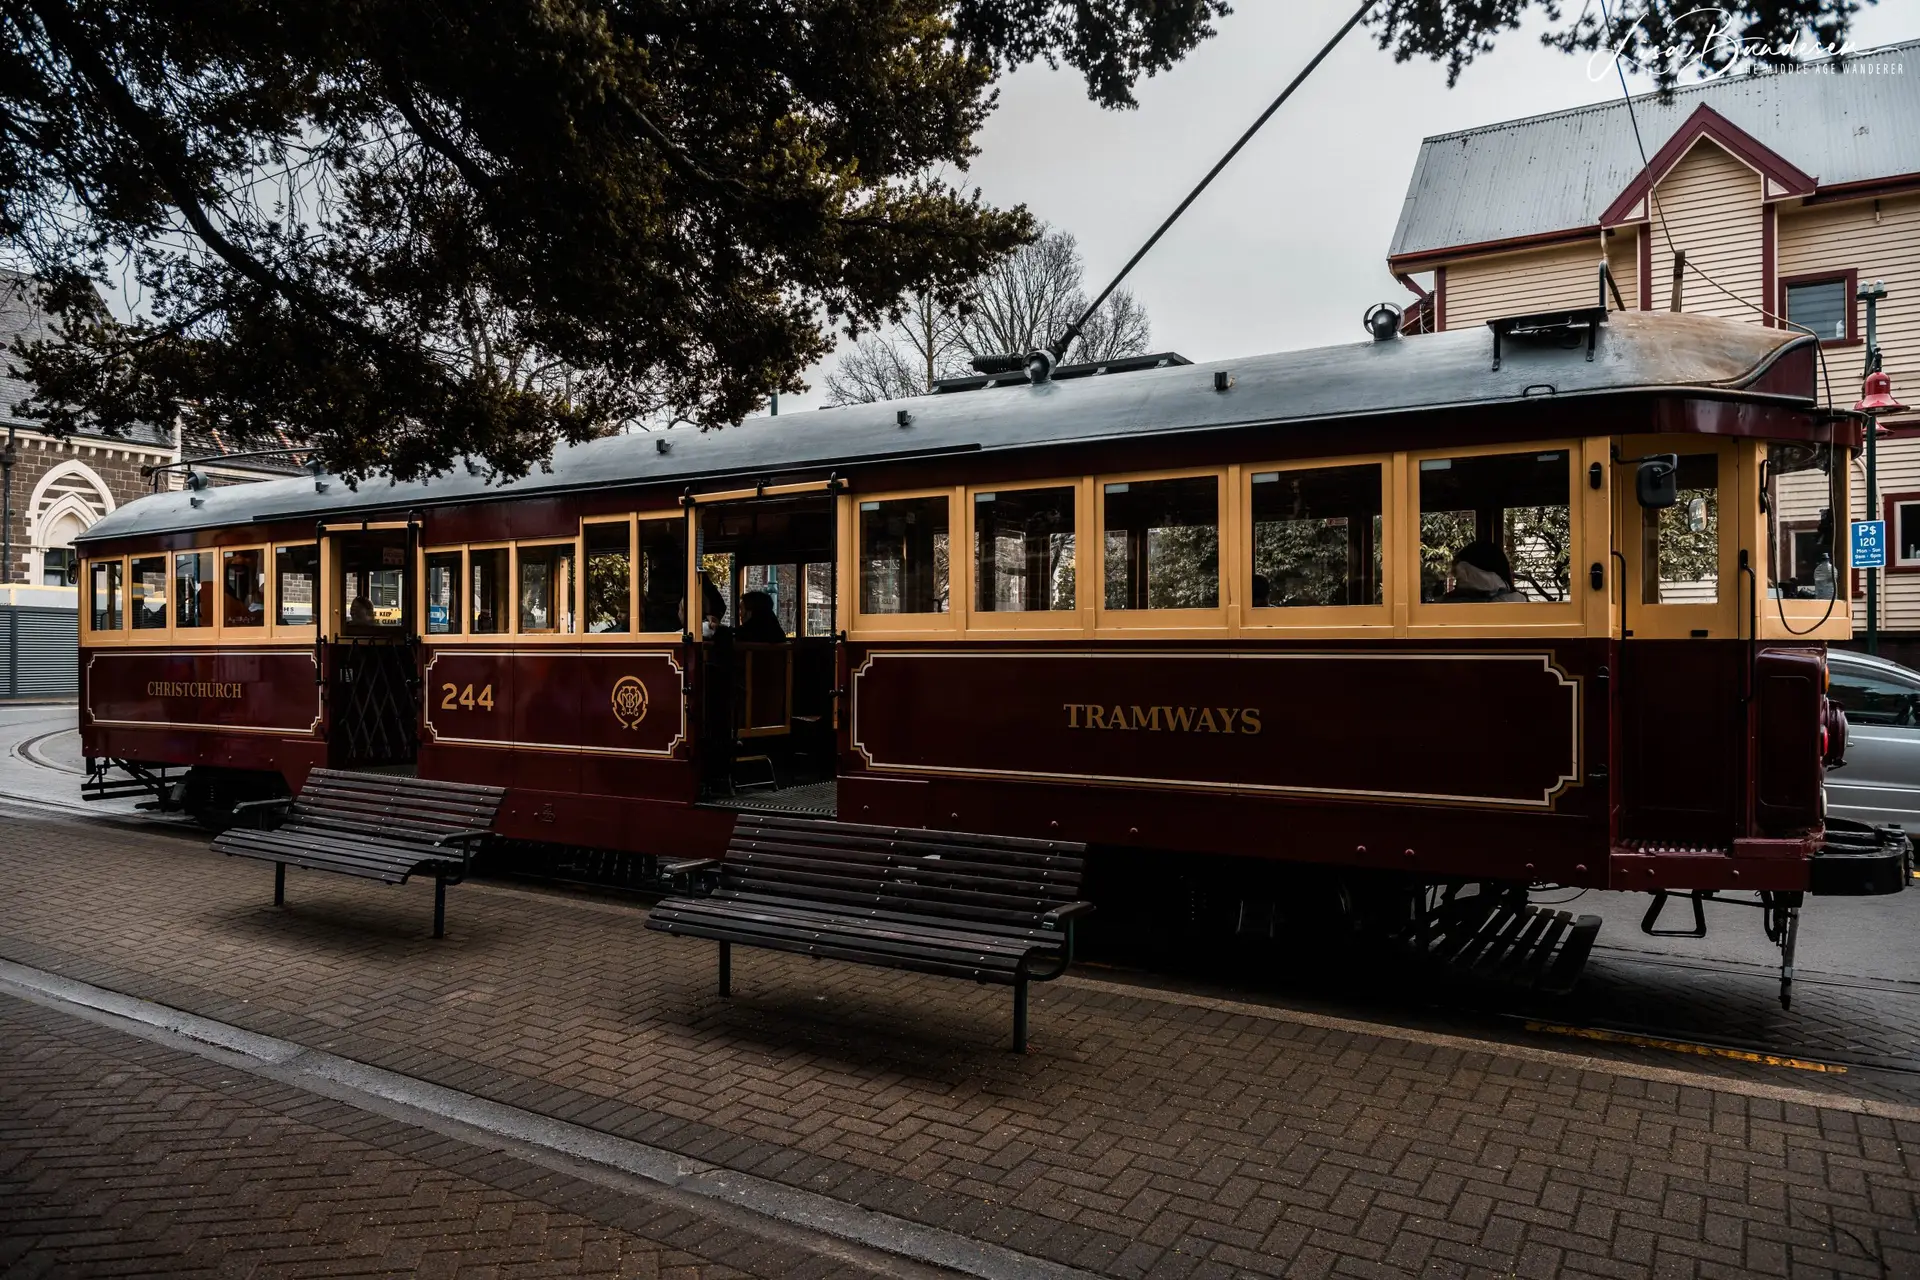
120, 1157
1142, 1137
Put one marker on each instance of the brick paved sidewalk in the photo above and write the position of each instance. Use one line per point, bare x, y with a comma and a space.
119, 1157
1144, 1136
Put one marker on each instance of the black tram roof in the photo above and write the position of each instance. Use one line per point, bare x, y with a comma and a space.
1635, 353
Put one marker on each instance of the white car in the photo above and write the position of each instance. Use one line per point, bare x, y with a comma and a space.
1880, 782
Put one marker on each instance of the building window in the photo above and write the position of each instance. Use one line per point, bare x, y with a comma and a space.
1906, 535
58, 566
1823, 305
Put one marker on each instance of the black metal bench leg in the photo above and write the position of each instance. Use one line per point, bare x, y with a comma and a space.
726, 968
279, 884
1020, 1014
439, 906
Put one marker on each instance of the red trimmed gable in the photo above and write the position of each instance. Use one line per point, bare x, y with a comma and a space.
1780, 177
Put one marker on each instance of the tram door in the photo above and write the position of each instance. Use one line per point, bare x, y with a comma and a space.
766, 653
373, 686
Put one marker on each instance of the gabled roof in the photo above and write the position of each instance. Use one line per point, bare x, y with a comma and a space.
1782, 178
22, 317
1317, 389
1561, 172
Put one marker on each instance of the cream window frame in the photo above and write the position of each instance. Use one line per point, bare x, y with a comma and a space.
1805, 620
989, 624
690, 566
889, 626
544, 637
209, 634
240, 635
302, 631
467, 634
1166, 623
1469, 620
633, 579
462, 585
115, 636
1358, 620
1724, 618
161, 635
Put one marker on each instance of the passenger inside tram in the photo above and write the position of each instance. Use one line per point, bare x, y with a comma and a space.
1482, 574
759, 624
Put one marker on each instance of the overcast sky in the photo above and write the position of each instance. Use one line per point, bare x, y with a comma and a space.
1288, 247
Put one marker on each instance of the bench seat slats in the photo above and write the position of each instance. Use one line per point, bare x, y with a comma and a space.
373, 826
951, 903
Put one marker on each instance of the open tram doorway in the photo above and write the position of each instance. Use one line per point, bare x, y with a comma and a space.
767, 653
371, 667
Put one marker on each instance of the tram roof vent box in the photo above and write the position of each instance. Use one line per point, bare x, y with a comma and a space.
1548, 328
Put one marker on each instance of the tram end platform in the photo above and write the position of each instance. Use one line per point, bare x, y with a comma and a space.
1160, 1126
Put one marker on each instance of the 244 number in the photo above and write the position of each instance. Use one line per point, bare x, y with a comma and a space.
453, 697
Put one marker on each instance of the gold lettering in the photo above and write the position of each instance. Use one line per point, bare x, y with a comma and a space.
1149, 720
1073, 714
195, 689
1118, 720
1158, 719
1096, 717
1250, 720
1206, 724
1180, 719
1227, 716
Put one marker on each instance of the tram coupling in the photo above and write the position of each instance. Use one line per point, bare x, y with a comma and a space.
1856, 860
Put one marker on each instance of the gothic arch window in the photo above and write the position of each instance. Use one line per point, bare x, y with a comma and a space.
66, 502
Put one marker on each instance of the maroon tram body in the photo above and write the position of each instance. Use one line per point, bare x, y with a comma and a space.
1609, 730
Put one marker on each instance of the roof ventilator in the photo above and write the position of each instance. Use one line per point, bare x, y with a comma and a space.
1558, 328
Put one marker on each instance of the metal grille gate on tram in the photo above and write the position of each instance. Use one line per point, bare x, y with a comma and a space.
374, 694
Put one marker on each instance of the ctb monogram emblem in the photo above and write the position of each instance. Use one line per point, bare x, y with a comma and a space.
629, 701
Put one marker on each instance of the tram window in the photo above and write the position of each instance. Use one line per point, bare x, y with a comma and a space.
147, 593
193, 589
663, 569
1496, 528
1316, 537
903, 555
489, 597
243, 588
609, 582
781, 584
819, 599
546, 590
1802, 563
443, 593
296, 571
1680, 545
105, 614
1023, 550
373, 585
1163, 544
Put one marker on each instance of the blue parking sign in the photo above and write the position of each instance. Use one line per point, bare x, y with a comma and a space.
1870, 544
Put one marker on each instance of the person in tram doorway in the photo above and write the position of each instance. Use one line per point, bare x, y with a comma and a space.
360, 612
759, 624
1482, 575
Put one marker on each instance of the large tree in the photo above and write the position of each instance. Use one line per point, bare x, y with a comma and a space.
413, 232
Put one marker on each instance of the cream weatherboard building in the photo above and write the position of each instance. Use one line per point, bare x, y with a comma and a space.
1784, 192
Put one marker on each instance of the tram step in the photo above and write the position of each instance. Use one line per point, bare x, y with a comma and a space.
1528, 946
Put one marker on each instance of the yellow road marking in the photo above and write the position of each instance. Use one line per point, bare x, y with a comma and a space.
1680, 1046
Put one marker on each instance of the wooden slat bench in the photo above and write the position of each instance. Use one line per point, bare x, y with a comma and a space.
375, 826
941, 902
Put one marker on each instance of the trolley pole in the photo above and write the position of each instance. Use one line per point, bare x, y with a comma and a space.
1871, 295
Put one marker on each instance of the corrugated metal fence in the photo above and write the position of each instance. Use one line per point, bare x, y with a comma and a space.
39, 649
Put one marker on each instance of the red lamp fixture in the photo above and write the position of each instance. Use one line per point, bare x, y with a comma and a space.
1877, 396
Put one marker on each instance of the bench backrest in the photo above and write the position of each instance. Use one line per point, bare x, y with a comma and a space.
953, 875
394, 807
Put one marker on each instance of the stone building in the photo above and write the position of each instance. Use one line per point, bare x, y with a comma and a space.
1785, 193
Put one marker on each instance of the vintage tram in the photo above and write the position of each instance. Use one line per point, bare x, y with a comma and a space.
1544, 603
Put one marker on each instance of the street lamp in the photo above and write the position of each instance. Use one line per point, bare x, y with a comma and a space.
1876, 399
